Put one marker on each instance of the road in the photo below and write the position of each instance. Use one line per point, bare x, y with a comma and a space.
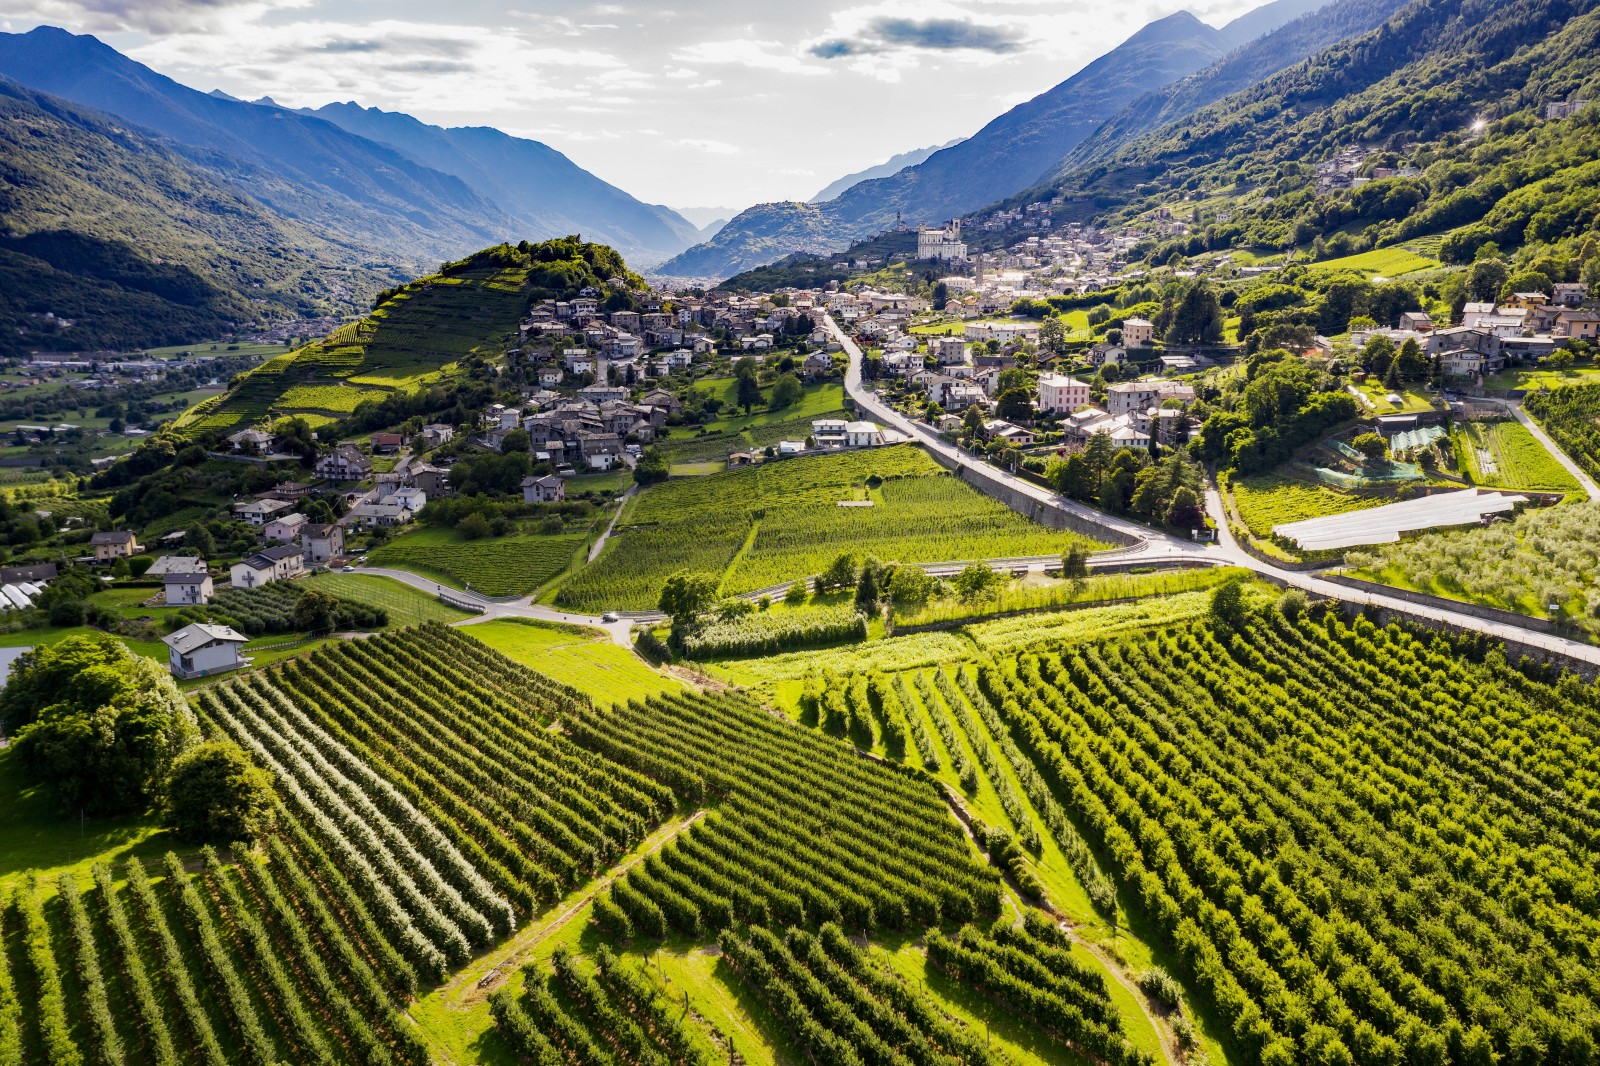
1227, 550
619, 631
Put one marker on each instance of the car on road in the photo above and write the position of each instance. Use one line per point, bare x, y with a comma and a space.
609, 616
347, 569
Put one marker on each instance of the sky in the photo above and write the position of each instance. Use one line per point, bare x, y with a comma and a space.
688, 103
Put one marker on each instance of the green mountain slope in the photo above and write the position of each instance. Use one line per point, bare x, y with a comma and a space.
416, 338
112, 231
1414, 91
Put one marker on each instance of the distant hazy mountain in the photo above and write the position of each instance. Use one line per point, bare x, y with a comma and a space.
888, 169
1263, 20
113, 239
530, 181
353, 188
412, 193
707, 216
1008, 155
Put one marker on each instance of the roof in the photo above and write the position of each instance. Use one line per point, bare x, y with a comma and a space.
182, 578
200, 634
119, 536
319, 530
176, 564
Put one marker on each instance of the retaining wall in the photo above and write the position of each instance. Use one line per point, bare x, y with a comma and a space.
1045, 513
1491, 614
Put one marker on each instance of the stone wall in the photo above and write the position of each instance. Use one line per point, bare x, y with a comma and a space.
1052, 516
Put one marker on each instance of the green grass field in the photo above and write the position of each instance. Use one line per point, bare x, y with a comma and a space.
1505, 455
583, 658
1269, 500
1528, 380
495, 566
1411, 400
1380, 262
735, 432
406, 605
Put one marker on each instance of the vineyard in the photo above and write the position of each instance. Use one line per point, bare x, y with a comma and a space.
495, 566
1506, 455
763, 525
271, 609
1363, 846
766, 633
1571, 415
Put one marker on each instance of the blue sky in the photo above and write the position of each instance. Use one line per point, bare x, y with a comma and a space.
705, 103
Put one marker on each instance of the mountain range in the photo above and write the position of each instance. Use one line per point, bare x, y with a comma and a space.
1029, 143
887, 169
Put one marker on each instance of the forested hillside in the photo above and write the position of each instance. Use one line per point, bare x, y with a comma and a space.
110, 239
1455, 90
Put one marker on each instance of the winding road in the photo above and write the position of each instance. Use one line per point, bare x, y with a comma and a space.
1227, 552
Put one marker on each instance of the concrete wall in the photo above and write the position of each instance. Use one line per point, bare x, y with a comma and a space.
1515, 650
1492, 614
1046, 514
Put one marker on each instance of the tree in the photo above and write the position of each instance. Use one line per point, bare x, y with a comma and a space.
652, 467
976, 581
843, 572
516, 440
474, 526
217, 795
1185, 511
911, 584
200, 539
1411, 364
1371, 445
1015, 406
1075, 563
786, 392
316, 611
96, 724
1378, 355
972, 424
747, 388
1053, 335
867, 591
1227, 604
1486, 277
686, 594
1197, 318
796, 594
1525, 281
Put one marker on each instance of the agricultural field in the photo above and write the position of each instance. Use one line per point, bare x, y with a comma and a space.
495, 566
1505, 455
1042, 594
734, 432
413, 338
1572, 418
1544, 557
583, 658
1379, 263
1268, 500
763, 525
405, 605
1529, 380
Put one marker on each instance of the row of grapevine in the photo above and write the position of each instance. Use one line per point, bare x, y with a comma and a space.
213, 968
1352, 837
1032, 972
805, 831
770, 632
840, 1008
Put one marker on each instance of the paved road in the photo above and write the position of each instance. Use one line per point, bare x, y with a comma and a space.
594, 550
1226, 551
523, 608
1515, 407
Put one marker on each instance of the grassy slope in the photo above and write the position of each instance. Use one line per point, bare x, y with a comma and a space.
583, 658
497, 566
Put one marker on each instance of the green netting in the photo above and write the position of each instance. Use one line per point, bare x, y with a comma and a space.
1362, 477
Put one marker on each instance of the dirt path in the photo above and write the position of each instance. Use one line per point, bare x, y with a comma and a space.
489, 972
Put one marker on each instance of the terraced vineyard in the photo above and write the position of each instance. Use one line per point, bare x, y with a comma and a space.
1571, 415
413, 337
788, 514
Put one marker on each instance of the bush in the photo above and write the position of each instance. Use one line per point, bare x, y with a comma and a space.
217, 795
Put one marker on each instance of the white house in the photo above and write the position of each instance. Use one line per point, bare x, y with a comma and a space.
830, 432
1062, 394
863, 434
200, 650
791, 447
1138, 332
260, 512
547, 489
284, 528
1126, 397
344, 463
189, 589
277, 563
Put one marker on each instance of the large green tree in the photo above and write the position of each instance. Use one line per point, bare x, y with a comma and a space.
96, 724
1197, 317
217, 795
